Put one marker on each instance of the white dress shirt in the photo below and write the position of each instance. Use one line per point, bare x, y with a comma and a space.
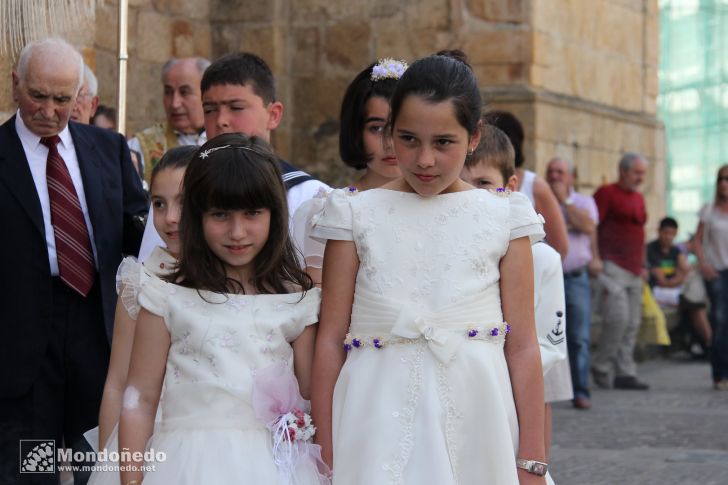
37, 155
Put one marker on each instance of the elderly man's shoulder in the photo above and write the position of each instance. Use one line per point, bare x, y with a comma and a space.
8, 126
6, 117
582, 199
8, 137
607, 190
95, 132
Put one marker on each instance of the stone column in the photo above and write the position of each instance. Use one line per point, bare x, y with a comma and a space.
581, 76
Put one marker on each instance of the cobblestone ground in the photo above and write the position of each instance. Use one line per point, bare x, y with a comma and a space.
675, 433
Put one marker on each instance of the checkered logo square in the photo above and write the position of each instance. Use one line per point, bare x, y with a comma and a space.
37, 456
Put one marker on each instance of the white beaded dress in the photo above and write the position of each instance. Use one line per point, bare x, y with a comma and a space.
424, 396
220, 343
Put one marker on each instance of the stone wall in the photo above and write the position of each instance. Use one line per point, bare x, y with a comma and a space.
80, 35
582, 76
592, 135
589, 89
6, 95
316, 47
158, 30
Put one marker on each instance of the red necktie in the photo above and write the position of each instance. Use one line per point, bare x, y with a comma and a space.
73, 246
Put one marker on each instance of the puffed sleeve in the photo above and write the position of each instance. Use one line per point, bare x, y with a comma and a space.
335, 220
306, 313
129, 279
309, 307
154, 295
523, 220
312, 250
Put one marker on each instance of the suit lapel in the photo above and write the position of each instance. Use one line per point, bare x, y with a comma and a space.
15, 174
88, 163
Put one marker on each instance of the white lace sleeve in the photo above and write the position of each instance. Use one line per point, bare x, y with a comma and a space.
301, 227
309, 308
523, 220
154, 294
129, 278
305, 313
335, 220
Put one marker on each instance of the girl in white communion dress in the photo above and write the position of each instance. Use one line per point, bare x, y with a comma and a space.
166, 193
230, 332
427, 366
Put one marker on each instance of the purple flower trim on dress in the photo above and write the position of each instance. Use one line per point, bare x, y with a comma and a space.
496, 333
500, 192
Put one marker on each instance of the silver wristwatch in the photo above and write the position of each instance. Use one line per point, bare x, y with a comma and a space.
532, 466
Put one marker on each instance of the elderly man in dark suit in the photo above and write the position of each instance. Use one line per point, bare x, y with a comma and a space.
68, 202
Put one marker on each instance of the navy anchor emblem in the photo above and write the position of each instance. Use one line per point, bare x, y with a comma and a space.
556, 335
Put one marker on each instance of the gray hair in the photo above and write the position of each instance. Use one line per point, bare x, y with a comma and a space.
200, 63
569, 164
53, 44
628, 159
92, 84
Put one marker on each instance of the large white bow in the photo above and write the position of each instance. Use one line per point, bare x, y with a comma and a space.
443, 343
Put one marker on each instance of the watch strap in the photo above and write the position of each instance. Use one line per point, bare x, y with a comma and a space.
532, 466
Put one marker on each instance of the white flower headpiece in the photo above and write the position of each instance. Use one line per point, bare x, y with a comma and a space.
388, 68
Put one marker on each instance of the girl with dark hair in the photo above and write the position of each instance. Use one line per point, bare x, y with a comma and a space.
364, 114
230, 332
415, 368
166, 192
362, 145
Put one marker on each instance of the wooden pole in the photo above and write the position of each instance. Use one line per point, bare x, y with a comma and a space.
121, 93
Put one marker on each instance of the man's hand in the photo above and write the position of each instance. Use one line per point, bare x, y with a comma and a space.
595, 266
560, 190
709, 273
645, 273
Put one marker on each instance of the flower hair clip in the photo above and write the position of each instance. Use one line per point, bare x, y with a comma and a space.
388, 68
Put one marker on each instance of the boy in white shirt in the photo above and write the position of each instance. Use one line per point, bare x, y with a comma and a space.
492, 166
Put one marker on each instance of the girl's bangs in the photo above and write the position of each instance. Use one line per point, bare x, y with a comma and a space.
239, 184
